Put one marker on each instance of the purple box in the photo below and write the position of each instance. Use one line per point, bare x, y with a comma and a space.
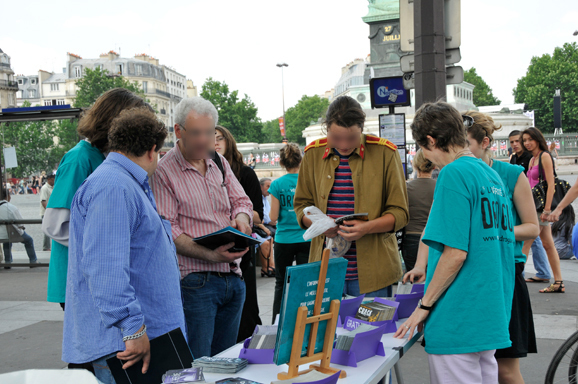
328, 380
418, 288
349, 307
352, 323
364, 346
407, 303
256, 356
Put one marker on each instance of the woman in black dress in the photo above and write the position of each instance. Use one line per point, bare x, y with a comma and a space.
226, 145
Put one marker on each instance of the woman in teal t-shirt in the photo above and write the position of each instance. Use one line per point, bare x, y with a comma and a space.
76, 165
289, 244
480, 135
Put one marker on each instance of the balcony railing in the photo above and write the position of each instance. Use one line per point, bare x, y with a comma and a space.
9, 84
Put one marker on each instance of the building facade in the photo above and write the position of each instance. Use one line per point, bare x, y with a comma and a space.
28, 90
8, 85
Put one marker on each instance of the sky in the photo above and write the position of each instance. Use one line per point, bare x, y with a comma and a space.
240, 42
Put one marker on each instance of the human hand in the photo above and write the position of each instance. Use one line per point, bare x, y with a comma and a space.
555, 215
331, 232
352, 230
242, 225
223, 255
544, 215
136, 350
416, 275
415, 322
267, 231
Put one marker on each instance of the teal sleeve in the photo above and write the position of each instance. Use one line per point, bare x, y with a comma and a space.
449, 221
69, 177
273, 190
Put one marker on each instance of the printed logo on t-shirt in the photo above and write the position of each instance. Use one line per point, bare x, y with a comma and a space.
496, 214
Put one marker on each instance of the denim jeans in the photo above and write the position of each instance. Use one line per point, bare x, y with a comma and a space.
101, 370
540, 258
351, 288
213, 306
28, 244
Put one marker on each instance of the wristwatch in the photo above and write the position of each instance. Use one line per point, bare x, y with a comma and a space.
424, 307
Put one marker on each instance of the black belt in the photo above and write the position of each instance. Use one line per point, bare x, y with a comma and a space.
223, 274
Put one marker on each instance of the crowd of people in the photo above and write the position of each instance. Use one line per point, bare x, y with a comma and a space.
125, 267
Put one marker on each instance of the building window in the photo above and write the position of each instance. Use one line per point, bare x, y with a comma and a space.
47, 103
19, 81
10, 99
33, 81
145, 86
32, 93
119, 69
78, 71
54, 87
138, 69
60, 102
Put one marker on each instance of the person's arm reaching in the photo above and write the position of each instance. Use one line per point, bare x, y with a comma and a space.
418, 273
571, 195
448, 267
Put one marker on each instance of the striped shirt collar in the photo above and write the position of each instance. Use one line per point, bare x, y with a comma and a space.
183, 162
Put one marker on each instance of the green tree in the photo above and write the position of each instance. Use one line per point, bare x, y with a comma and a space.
237, 115
307, 111
545, 74
95, 82
482, 94
34, 144
271, 132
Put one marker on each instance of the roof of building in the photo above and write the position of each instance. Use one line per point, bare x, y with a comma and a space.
56, 78
148, 69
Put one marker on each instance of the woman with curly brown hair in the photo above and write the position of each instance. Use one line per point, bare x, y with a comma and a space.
74, 168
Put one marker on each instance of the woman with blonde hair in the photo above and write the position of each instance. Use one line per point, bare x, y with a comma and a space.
420, 193
554, 153
480, 132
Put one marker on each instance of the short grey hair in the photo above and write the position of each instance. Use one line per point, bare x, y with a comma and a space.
199, 105
264, 180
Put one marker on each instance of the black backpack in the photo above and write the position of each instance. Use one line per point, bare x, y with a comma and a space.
219, 163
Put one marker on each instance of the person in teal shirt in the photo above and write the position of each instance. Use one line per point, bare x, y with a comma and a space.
465, 311
289, 244
76, 165
521, 329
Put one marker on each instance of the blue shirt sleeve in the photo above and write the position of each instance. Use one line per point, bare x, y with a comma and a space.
106, 258
449, 220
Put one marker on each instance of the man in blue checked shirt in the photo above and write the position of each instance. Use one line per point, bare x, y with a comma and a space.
123, 284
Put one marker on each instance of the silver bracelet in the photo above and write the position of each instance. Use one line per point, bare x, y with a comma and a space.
136, 335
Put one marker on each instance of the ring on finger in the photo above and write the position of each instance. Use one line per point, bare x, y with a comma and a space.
406, 326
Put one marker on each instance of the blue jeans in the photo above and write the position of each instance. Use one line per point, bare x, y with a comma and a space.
101, 370
213, 305
540, 258
351, 288
28, 244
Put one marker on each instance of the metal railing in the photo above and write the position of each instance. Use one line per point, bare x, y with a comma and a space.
12, 236
9, 84
566, 145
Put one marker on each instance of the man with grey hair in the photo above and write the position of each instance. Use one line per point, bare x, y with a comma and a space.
198, 193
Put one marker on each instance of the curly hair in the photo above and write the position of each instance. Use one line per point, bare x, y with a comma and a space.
136, 131
95, 123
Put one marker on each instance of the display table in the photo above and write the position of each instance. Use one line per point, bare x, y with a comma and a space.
369, 371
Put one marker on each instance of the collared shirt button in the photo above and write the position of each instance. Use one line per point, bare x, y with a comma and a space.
335, 158
329, 176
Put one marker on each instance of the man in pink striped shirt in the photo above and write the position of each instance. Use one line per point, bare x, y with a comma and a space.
193, 195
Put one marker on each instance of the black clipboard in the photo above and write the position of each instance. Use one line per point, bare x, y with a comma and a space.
168, 351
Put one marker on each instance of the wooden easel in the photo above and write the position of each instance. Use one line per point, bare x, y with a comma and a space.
302, 320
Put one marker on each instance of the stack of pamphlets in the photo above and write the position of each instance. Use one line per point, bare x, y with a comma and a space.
374, 311
220, 364
344, 341
188, 375
404, 289
264, 337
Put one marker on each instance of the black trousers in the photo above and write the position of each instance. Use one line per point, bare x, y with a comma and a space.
409, 250
285, 254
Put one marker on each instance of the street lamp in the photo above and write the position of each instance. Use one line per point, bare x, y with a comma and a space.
575, 33
281, 65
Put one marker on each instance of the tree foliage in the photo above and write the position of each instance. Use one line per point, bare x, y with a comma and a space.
307, 111
545, 74
237, 115
482, 93
95, 82
271, 132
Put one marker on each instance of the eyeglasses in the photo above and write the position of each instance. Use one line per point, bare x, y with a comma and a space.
468, 120
196, 134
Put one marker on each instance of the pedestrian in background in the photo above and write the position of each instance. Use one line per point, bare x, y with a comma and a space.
10, 212
420, 194
45, 193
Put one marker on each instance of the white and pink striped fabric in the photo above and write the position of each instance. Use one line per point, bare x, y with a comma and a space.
197, 205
